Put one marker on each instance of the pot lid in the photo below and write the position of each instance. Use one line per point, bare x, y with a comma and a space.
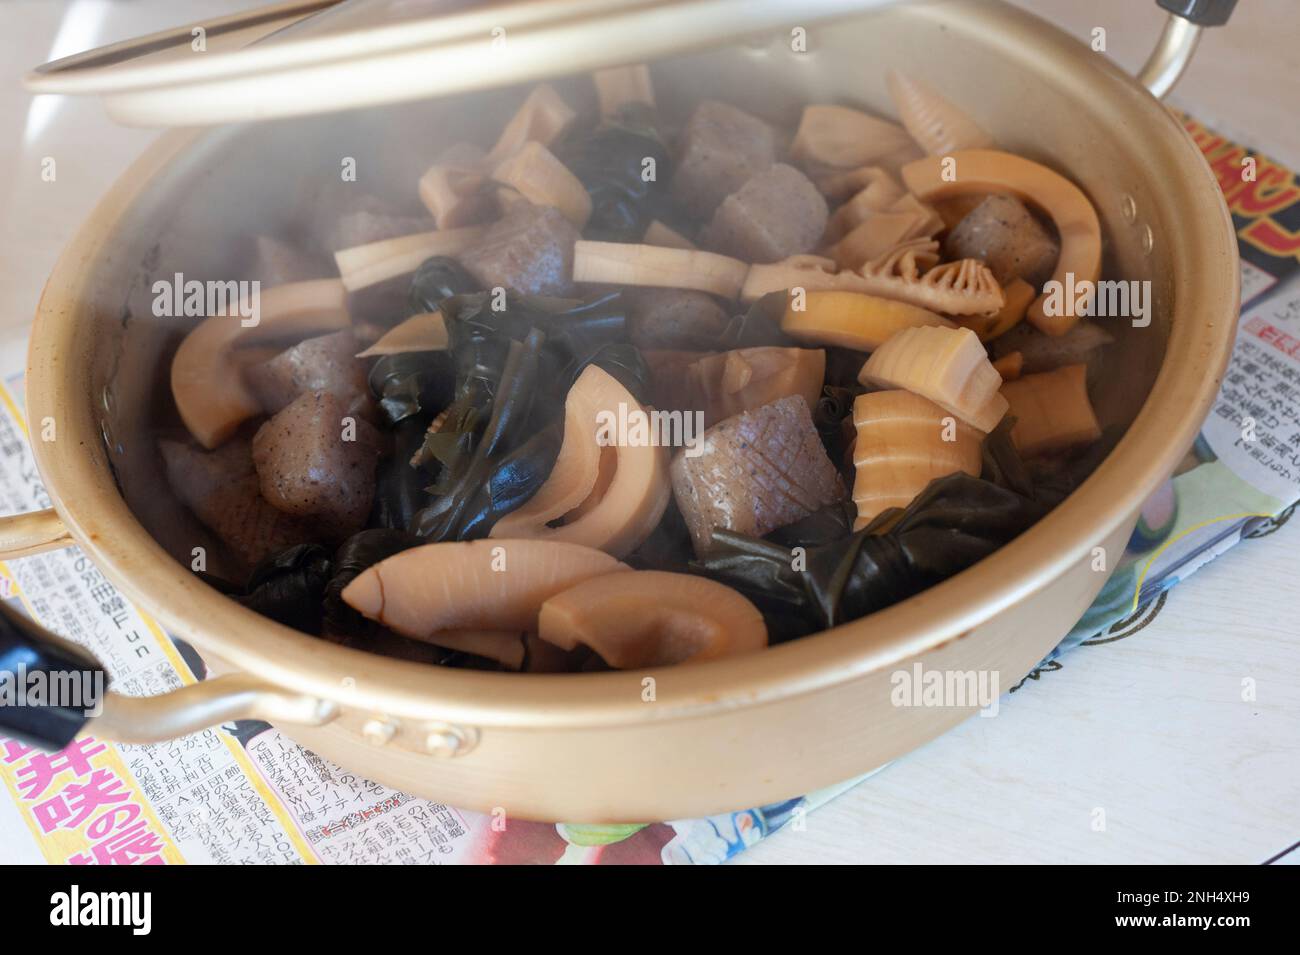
318, 56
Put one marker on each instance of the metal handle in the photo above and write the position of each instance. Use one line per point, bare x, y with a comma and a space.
31, 533
236, 696
50, 687
1178, 41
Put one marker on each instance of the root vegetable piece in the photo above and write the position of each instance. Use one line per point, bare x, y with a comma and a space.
987, 170
472, 585
210, 392
721, 148
843, 138
903, 443
937, 125
775, 214
543, 118
628, 510
656, 233
221, 488
452, 188
1016, 294
852, 319
755, 472
366, 265
624, 263
1010, 366
530, 249
674, 318
1002, 234
747, 378
1052, 411
622, 86
324, 363
947, 365
315, 460
653, 618
424, 332
535, 173
1049, 352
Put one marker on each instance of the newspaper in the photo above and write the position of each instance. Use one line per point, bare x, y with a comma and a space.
246, 793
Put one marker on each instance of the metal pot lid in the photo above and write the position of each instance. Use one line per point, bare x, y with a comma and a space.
319, 56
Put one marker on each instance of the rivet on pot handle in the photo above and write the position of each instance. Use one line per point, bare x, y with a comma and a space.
1178, 41
50, 688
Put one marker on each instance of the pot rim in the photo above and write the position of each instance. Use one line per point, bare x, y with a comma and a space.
1204, 293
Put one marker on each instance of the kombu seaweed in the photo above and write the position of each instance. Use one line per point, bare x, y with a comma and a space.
818, 574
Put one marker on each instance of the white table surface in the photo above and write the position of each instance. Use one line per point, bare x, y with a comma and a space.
1151, 729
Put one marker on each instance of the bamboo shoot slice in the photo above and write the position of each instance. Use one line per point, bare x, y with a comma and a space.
808, 272
840, 184
904, 442
637, 495
577, 466
1010, 365
364, 265
728, 383
1052, 411
626, 263
875, 236
472, 585
604, 478
543, 118
210, 393
842, 137
535, 173
504, 646
852, 319
656, 233
947, 365
1017, 295
877, 196
907, 273
622, 86
426, 331
452, 188
938, 126
653, 618
987, 170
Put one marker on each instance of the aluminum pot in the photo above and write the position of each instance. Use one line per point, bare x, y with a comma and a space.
601, 747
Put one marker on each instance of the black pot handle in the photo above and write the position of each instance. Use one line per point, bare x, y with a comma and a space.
1187, 18
1203, 13
49, 686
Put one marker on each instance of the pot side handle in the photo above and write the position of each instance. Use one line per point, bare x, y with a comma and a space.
50, 688
1178, 40
31, 533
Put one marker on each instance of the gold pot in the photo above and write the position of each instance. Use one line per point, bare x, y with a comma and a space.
716, 736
